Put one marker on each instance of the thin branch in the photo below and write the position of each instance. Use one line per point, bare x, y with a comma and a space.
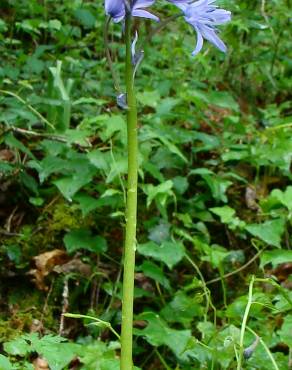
237, 270
31, 108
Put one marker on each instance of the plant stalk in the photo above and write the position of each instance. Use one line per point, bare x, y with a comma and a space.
131, 211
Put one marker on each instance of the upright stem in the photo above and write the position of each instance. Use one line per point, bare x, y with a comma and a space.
244, 322
131, 212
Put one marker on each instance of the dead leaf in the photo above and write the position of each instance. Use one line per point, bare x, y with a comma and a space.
45, 263
75, 265
251, 197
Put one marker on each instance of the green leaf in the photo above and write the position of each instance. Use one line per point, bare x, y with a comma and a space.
69, 186
98, 159
83, 239
85, 17
168, 252
180, 184
113, 125
158, 333
149, 98
270, 231
276, 257
218, 186
86, 203
284, 197
151, 270
182, 309
153, 191
17, 347
286, 332
225, 213
5, 364
12, 142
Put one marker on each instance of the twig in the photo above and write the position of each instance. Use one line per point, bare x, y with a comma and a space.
9, 220
31, 108
65, 306
58, 138
237, 270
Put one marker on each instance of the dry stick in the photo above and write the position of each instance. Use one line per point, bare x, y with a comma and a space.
58, 138
65, 306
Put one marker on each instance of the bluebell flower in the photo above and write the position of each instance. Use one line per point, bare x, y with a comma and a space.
117, 9
204, 16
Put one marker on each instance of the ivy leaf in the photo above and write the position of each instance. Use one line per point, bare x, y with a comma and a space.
70, 185
182, 309
158, 333
83, 239
225, 213
276, 257
17, 347
284, 197
285, 332
98, 159
86, 203
151, 270
5, 364
168, 252
270, 231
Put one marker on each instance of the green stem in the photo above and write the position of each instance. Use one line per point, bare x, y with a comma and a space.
244, 323
131, 211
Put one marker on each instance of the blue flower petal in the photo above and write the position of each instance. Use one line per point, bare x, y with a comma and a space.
144, 14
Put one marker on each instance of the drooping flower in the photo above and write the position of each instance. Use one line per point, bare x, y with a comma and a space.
204, 16
117, 9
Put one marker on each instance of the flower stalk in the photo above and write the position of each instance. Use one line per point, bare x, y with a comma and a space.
131, 210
